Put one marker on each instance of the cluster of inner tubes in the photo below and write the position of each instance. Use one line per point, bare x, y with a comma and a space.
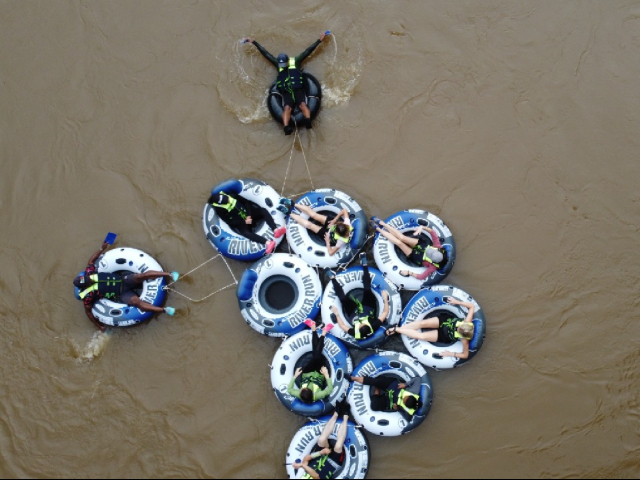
278, 292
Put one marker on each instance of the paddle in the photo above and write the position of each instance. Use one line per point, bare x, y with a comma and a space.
111, 238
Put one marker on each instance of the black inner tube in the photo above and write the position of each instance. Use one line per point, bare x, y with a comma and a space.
304, 360
358, 294
278, 294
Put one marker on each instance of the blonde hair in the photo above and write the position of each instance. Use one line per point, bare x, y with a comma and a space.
467, 330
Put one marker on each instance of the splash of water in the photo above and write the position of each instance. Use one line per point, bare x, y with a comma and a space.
95, 347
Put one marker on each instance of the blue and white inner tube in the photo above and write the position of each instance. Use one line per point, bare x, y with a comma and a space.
352, 283
309, 246
313, 99
356, 449
126, 261
431, 302
294, 352
278, 293
398, 366
226, 240
391, 260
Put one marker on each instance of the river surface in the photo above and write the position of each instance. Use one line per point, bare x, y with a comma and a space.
517, 122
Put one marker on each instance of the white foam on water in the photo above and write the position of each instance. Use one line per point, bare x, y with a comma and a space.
95, 347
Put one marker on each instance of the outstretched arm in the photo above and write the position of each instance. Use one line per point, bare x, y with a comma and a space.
87, 310
96, 255
304, 55
341, 323
385, 313
343, 215
264, 52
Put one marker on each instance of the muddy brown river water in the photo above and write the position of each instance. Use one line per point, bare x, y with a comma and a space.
517, 122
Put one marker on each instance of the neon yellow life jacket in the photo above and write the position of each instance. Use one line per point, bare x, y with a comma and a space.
107, 285
401, 398
231, 206
357, 324
335, 237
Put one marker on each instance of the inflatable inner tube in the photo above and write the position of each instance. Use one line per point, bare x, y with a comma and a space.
294, 353
126, 261
356, 449
278, 293
309, 246
400, 367
352, 284
431, 302
229, 242
391, 260
313, 99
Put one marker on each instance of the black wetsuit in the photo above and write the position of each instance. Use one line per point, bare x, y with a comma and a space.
292, 98
256, 212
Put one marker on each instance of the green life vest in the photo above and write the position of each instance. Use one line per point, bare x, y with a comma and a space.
324, 466
313, 381
232, 206
289, 78
357, 324
450, 328
401, 398
335, 237
107, 285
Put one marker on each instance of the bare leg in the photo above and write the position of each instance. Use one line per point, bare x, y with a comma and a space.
432, 322
144, 306
305, 110
342, 435
312, 213
412, 242
430, 336
406, 249
286, 115
306, 223
323, 441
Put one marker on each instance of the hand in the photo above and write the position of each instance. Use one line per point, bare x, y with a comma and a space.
406, 273
452, 301
249, 40
402, 386
324, 371
446, 353
105, 245
322, 36
298, 372
327, 238
325, 451
249, 221
296, 465
334, 309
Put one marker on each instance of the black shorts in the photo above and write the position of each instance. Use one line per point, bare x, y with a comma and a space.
293, 100
336, 457
443, 336
129, 285
324, 229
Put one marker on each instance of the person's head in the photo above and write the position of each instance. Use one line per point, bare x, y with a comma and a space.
306, 395
218, 199
342, 229
365, 331
412, 403
435, 254
466, 329
283, 60
82, 281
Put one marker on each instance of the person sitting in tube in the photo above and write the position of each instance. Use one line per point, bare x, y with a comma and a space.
242, 215
443, 329
95, 286
337, 233
417, 248
323, 464
316, 382
290, 82
361, 314
389, 395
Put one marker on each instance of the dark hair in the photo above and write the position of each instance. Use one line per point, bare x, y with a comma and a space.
342, 229
215, 198
413, 403
306, 395
365, 331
